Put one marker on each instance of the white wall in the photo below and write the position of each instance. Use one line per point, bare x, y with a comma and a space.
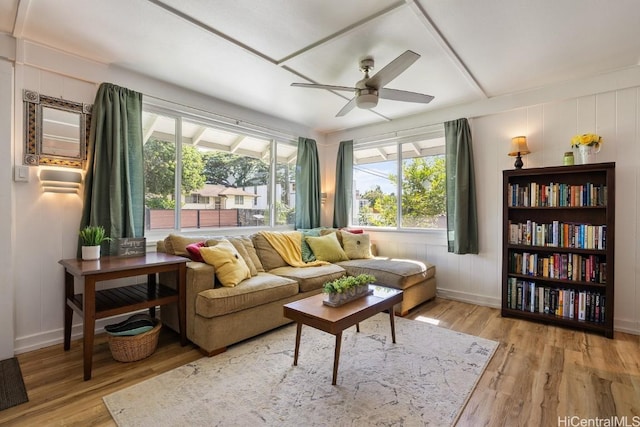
6, 211
549, 117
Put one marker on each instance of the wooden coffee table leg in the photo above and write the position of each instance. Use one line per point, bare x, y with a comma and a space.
336, 357
357, 327
295, 354
393, 325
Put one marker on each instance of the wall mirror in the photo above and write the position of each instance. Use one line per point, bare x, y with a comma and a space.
56, 131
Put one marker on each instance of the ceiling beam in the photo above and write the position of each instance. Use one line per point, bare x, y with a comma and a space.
414, 148
151, 127
236, 143
382, 154
422, 15
197, 137
342, 32
21, 18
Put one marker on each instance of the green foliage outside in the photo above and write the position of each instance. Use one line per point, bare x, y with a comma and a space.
423, 196
215, 167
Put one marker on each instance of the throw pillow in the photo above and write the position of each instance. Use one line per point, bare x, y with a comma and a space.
327, 248
194, 251
242, 250
230, 268
356, 246
177, 244
269, 257
307, 253
326, 231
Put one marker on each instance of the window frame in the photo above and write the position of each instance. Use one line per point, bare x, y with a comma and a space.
183, 114
398, 139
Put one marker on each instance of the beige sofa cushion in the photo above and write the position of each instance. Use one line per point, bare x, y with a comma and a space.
268, 256
251, 251
395, 273
261, 289
310, 278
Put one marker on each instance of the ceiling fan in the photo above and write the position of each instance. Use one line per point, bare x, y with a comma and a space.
369, 89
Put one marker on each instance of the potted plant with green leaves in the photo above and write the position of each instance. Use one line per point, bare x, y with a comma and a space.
92, 237
347, 288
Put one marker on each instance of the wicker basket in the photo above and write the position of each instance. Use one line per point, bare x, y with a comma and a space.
135, 347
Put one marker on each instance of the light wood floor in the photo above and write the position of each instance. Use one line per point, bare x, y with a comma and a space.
539, 373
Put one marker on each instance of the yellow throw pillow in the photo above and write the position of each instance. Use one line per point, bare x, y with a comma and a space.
327, 248
230, 267
356, 246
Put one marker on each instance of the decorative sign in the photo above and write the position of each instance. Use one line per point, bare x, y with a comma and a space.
132, 246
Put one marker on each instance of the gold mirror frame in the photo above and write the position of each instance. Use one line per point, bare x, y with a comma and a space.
33, 134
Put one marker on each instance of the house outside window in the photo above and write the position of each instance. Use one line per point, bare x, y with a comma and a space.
400, 182
219, 176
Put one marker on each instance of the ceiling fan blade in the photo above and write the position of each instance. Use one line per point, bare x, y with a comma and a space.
328, 87
348, 107
392, 69
403, 95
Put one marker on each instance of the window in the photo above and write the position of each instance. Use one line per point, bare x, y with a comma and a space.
219, 176
417, 199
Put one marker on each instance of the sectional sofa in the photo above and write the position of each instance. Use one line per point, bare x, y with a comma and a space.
218, 315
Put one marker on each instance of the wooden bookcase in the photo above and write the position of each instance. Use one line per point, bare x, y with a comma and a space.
558, 246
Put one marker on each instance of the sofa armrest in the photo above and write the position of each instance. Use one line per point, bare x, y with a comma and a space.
200, 277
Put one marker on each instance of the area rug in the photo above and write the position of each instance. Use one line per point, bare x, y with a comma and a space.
12, 389
424, 379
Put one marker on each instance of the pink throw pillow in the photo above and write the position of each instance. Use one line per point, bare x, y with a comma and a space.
194, 251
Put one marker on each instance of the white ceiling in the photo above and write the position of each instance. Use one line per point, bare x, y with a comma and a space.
247, 52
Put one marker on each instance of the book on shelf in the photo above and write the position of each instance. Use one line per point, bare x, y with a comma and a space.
556, 194
568, 303
557, 234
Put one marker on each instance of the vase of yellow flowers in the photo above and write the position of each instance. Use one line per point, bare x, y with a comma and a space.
588, 145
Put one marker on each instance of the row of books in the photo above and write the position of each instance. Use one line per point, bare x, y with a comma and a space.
558, 234
590, 268
557, 195
568, 303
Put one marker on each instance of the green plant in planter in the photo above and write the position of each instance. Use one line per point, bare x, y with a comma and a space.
93, 235
345, 283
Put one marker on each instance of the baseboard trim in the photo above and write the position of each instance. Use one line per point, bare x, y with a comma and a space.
56, 336
469, 298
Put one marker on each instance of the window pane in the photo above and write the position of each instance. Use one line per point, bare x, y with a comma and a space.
422, 189
375, 184
285, 196
159, 171
423, 192
227, 174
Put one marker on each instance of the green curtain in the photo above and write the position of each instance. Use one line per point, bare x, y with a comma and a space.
344, 184
307, 185
114, 181
462, 218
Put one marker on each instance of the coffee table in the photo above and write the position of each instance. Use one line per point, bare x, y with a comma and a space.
333, 320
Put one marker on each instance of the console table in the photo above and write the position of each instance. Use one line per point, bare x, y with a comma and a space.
92, 304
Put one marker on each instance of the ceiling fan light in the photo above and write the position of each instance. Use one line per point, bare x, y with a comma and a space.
367, 100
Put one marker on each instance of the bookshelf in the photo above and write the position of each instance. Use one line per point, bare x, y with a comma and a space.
558, 246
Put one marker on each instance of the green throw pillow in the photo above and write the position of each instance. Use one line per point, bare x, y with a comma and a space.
327, 248
307, 253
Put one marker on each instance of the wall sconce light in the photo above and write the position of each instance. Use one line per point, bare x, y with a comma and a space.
323, 198
60, 181
519, 148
